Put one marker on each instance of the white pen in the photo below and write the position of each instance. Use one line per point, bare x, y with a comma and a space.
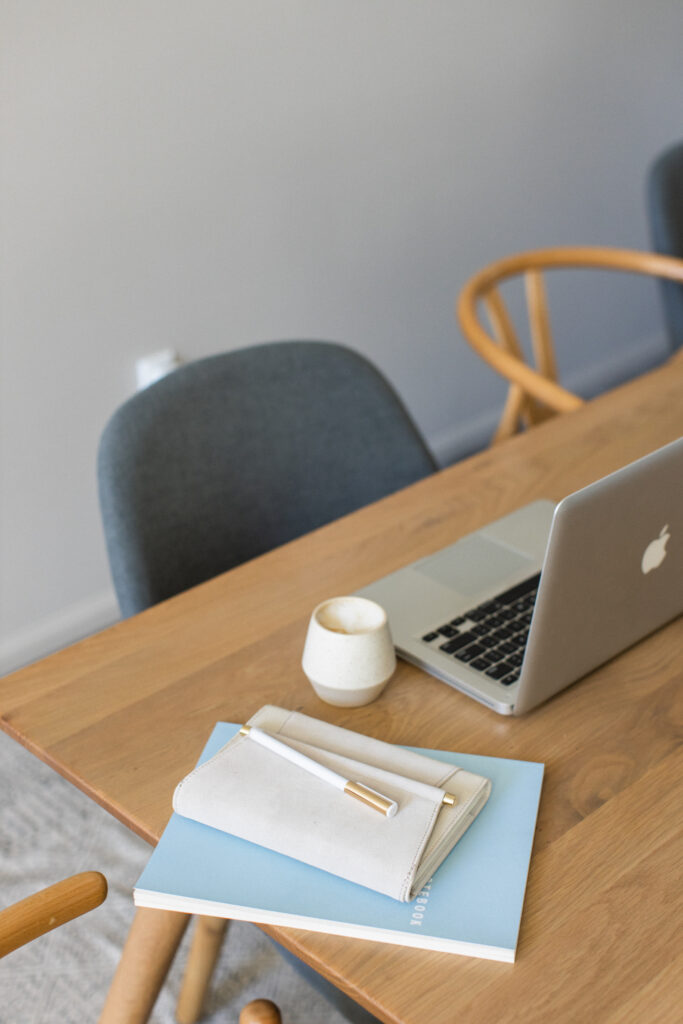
357, 790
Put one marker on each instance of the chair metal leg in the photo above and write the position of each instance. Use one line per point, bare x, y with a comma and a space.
147, 956
206, 945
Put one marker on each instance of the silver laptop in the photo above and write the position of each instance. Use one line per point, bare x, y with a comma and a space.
520, 609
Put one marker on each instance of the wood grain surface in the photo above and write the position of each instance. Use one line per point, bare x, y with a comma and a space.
125, 714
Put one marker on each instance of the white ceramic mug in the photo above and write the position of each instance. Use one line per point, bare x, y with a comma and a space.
349, 654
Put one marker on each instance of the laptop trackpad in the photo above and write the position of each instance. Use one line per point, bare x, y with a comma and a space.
473, 565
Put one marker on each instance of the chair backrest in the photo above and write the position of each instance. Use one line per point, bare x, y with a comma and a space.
51, 907
534, 392
235, 454
665, 208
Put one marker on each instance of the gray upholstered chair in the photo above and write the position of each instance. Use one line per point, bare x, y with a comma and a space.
665, 208
235, 454
230, 456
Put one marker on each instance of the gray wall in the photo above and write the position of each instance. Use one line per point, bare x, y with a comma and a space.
205, 175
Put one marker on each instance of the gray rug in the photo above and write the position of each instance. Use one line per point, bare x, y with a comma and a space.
48, 830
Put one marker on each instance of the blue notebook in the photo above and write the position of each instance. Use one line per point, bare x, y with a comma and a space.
472, 905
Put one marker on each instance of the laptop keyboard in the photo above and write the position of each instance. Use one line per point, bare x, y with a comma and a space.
491, 637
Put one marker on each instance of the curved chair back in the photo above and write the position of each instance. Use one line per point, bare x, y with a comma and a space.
235, 454
665, 208
535, 393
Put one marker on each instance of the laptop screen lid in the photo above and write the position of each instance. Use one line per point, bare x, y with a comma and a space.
591, 602
613, 573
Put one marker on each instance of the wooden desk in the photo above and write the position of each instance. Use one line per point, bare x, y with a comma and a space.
124, 714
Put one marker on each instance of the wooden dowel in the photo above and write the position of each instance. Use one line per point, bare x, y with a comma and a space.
501, 323
150, 947
206, 945
539, 324
49, 908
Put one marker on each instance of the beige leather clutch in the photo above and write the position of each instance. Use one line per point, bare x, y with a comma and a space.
257, 795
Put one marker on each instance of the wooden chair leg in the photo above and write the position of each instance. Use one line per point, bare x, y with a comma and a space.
260, 1011
206, 945
150, 947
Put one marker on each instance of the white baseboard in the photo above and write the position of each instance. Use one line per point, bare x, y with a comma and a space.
58, 630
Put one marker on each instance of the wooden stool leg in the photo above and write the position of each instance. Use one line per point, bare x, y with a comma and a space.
206, 945
150, 947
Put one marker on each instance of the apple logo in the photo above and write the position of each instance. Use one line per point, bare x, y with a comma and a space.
655, 552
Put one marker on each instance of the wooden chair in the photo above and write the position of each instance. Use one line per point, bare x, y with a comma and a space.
535, 393
44, 910
57, 904
50, 908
